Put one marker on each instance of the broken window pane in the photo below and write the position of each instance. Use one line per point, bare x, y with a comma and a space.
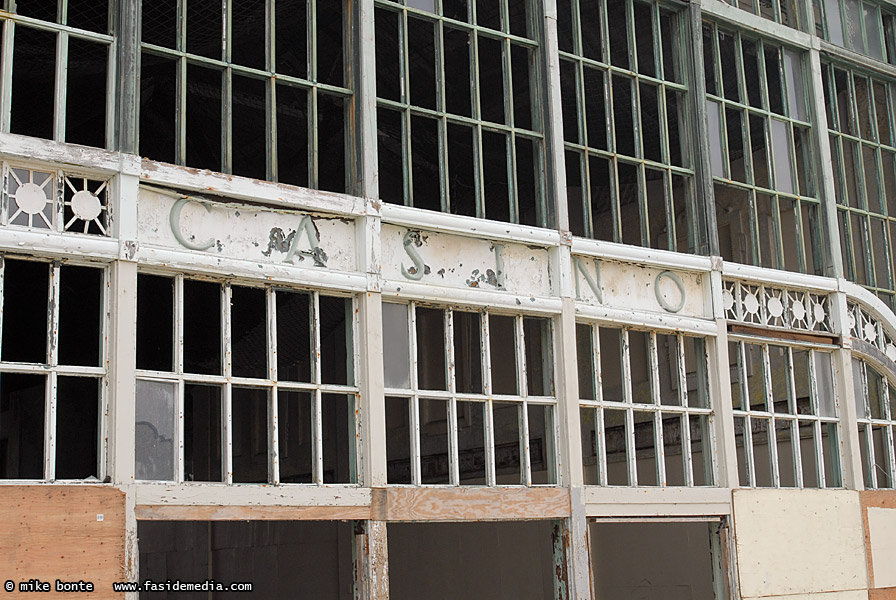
154, 431
22, 402
338, 432
249, 332
85, 112
502, 334
25, 301
77, 426
295, 432
202, 327
398, 441
431, 363
34, 65
202, 433
434, 455
250, 434
294, 345
336, 349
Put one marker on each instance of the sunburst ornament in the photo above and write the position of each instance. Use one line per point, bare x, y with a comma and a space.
30, 198
84, 205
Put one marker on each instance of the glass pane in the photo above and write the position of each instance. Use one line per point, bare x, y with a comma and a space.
506, 418
541, 444
539, 356
154, 431
396, 346
471, 442
467, 353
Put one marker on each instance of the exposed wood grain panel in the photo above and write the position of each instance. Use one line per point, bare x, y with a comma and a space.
469, 504
882, 594
251, 513
53, 532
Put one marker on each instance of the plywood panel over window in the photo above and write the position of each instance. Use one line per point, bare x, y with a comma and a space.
67, 533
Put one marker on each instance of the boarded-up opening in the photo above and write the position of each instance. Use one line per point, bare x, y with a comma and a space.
473, 561
281, 559
668, 561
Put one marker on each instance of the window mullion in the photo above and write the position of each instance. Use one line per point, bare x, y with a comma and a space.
227, 412
61, 77
273, 397
453, 445
489, 424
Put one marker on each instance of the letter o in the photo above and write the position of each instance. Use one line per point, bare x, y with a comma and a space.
659, 296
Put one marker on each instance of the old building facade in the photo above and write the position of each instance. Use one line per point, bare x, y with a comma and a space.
450, 298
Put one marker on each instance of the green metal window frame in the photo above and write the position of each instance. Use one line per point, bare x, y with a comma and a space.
513, 133
314, 88
786, 12
724, 103
10, 20
866, 206
856, 25
875, 398
579, 102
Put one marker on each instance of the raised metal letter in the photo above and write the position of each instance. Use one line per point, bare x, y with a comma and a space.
659, 296
174, 221
593, 282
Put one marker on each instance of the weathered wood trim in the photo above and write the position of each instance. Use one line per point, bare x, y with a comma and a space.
251, 513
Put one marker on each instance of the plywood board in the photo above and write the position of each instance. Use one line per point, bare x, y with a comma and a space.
469, 504
882, 559
792, 542
70, 533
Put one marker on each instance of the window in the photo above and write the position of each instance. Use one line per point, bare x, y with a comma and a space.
469, 397
875, 398
459, 114
233, 87
62, 80
645, 405
854, 24
785, 414
760, 150
241, 384
52, 371
55, 200
628, 168
779, 11
863, 151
